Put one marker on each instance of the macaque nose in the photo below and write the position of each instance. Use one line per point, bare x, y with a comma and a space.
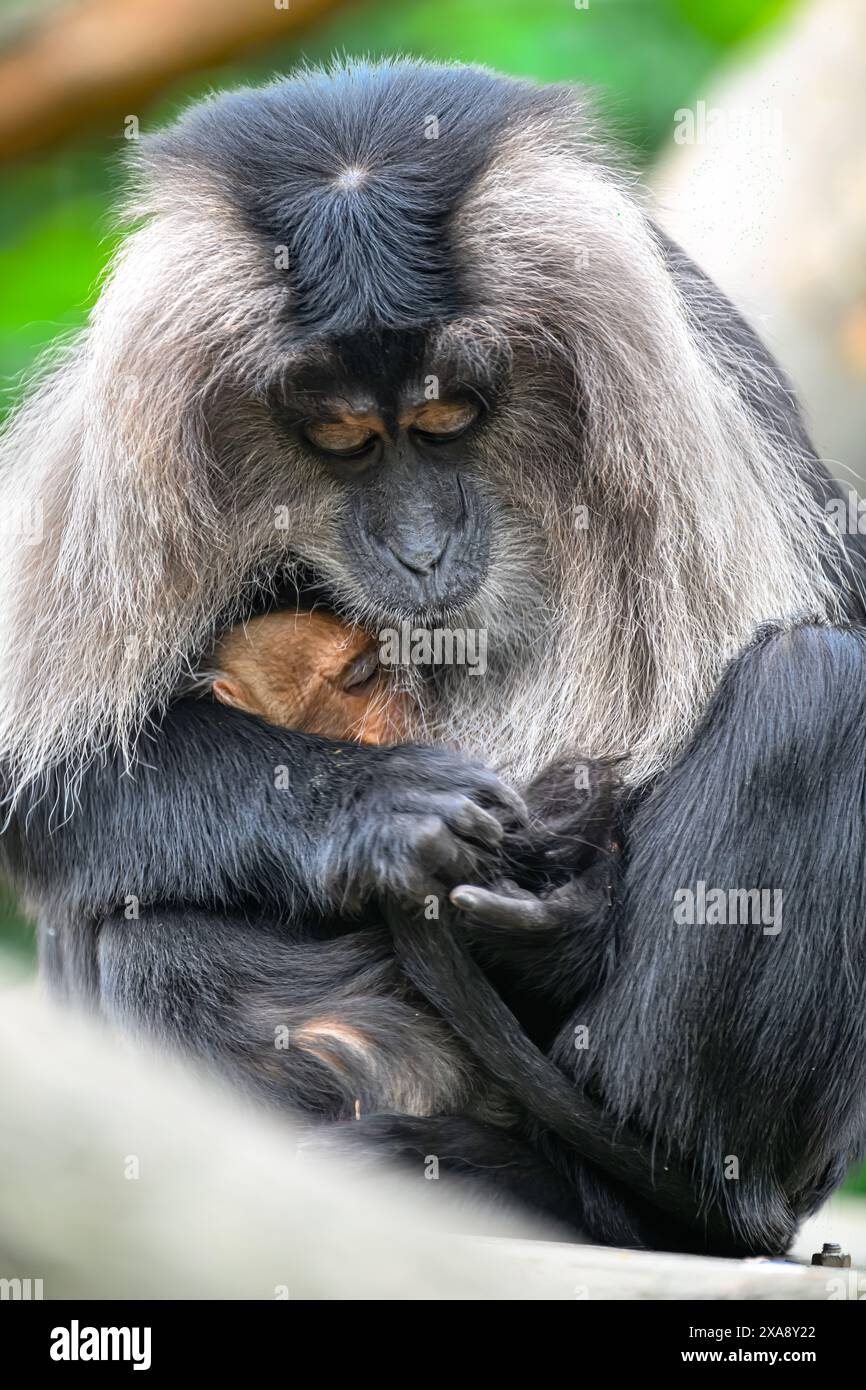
420, 556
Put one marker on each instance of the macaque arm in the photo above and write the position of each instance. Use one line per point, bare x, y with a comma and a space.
216, 803
221, 807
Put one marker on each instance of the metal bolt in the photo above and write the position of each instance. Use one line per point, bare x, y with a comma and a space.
831, 1257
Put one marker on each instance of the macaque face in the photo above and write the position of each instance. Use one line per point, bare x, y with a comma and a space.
309, 671
411, 520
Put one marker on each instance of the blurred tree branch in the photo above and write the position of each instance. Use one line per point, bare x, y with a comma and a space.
76, 64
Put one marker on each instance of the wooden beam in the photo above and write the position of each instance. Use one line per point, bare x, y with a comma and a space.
93, 61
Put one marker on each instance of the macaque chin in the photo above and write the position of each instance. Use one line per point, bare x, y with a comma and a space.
311, 672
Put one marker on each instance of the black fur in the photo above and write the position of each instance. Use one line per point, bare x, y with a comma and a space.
783, 741
699, 1039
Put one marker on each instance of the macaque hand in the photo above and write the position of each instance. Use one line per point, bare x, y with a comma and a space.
508, 906
427, 820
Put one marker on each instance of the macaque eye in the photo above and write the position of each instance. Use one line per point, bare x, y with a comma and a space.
362, 674
440, 421
341, 437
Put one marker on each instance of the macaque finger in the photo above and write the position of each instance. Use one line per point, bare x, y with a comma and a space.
501, 910
468, 818
440, 852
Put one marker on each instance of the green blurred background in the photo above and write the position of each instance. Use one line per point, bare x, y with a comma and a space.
646, 58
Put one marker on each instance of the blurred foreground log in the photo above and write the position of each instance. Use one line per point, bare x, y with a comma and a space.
128, 1175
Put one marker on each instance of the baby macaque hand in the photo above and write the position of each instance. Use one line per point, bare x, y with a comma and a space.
558, 867
508, 906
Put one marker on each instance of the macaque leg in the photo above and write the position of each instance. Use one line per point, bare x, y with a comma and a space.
324, 1028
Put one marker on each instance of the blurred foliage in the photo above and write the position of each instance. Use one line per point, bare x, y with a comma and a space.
17, 936
645, 58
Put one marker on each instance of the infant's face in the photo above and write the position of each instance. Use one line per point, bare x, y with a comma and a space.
309, 671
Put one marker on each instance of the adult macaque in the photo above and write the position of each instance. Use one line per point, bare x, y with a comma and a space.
461, 381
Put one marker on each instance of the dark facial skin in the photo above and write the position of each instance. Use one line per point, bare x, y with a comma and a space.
415, 525
415, 528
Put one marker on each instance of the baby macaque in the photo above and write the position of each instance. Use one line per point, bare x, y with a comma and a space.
311, 672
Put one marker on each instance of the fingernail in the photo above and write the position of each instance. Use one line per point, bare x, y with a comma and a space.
462, 897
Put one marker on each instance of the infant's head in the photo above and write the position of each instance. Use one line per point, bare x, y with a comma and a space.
309, 671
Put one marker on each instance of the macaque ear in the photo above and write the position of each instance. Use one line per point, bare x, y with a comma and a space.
232, 692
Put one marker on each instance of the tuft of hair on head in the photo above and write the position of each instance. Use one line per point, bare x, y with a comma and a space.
350, 178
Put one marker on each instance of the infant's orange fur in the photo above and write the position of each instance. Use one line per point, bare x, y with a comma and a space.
309, 671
